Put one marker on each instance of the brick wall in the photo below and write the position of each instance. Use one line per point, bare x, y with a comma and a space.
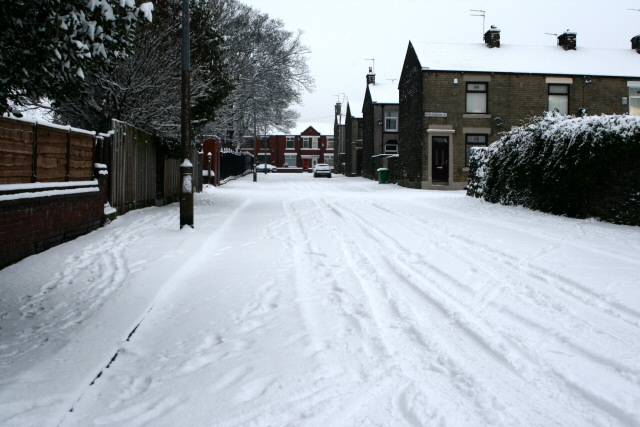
29, 226
512, 98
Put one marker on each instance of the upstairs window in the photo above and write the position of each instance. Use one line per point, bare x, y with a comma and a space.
306, 142
559, 98
329, 143
634, 101
291, 142
391, 121
477, 98
474, 141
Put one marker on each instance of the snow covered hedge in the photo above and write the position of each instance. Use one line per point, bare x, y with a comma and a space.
575, 166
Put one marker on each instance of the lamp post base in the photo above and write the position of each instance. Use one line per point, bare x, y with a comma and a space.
186, 194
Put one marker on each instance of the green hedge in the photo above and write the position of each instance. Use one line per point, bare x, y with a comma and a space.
580, 167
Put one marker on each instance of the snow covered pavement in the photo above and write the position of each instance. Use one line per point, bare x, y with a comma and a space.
327, 302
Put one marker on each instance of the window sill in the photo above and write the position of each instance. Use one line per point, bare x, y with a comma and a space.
476, 116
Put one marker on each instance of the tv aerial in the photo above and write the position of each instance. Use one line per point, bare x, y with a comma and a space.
480, 13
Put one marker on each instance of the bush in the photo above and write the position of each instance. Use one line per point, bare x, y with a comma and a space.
580, 167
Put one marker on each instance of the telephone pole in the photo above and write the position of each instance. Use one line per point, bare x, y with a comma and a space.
186, 168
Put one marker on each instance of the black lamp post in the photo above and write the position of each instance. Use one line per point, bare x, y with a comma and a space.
186, 168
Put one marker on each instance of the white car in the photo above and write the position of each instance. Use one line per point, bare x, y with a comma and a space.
266, 168
322, 169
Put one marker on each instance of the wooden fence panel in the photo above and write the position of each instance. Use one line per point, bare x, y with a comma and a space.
32, 152
81, 157
16, 152
133, 169
52, 154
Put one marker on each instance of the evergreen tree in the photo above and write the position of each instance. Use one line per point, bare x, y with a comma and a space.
48, 46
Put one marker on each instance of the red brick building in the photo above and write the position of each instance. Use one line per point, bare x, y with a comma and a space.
296, 151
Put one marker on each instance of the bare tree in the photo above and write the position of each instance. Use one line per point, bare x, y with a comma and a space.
269, 65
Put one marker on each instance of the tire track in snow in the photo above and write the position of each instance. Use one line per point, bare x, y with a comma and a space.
627, 372
413, 346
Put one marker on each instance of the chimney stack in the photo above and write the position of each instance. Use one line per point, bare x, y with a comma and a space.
635, 43
492, 37
567, 40
371, 77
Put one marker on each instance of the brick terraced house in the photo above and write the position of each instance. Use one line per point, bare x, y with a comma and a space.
380, 125
298, 151
457, 96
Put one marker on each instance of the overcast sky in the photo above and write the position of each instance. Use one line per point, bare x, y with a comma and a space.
342, 33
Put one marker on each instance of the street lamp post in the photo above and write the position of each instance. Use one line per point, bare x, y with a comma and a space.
186, 168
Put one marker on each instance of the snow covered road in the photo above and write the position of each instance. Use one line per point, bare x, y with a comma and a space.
301, 301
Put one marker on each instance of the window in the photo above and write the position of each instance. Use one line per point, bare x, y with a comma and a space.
290, 160
391, 147
328, 159
474, 141
634, 101
391, 121
329, 143
559, 98
306, 142
477, 98
291, 142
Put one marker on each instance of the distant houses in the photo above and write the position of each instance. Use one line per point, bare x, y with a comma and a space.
451, 97
299, 151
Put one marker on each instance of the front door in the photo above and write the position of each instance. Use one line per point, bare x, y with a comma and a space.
440, 159
306, 164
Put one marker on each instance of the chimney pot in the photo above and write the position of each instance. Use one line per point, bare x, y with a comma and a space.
567, 40
492, 37
635, 43
371, 77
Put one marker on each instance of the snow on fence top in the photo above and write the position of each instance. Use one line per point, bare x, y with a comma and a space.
51, 125
528, 59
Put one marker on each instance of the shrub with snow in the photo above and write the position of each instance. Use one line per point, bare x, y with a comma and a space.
575, 166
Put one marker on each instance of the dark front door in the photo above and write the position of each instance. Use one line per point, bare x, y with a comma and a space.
440, 159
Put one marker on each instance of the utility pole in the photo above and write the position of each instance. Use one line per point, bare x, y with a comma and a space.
186, 168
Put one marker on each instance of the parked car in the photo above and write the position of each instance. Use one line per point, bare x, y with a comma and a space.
322, 169
266, 168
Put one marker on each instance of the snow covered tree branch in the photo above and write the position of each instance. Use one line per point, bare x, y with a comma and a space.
47, 46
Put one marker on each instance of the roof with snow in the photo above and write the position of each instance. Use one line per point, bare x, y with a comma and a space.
321, 128
384, 92
507, 58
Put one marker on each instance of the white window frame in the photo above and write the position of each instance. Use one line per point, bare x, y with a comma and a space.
293, 157
391, 121
477, 93
307, 143
558, 95
292, 140
330, 142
